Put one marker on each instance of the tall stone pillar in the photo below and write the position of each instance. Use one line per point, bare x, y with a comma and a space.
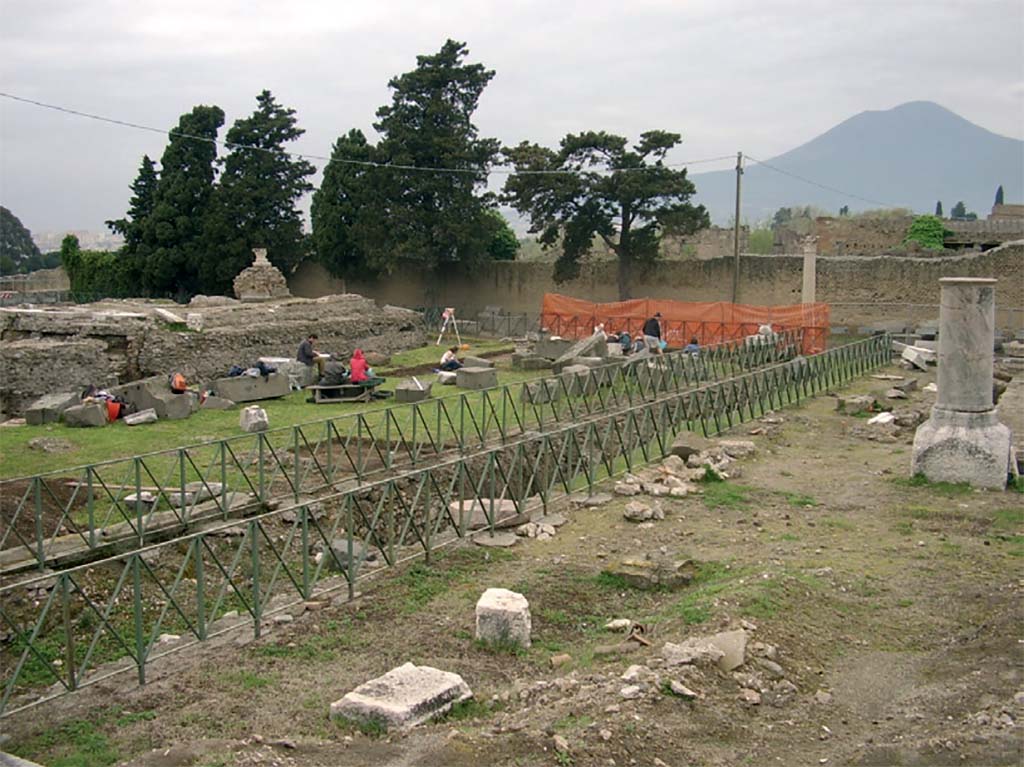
810, 276
963, 440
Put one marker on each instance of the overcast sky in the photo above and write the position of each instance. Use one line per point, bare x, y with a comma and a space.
759, 75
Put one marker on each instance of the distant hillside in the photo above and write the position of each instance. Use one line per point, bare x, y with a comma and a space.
909, 156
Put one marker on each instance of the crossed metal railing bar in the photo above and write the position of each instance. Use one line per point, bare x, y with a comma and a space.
107, 617
145, 498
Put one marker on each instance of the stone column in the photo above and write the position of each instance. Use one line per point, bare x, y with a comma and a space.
810, 277
963, 440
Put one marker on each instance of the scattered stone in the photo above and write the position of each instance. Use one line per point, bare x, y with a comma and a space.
89, 414
594, 346
253, 419
654, 571
681, 690
631, 692
446, 377
561, 744
503, 617
619, 624
213, 402
167, 638
605, 735
627, 489
931, 388
403, 697
48, 409
476, 378
560, 660
637, 511
591, 501
361, 553
283, 618
733, 645
246, 388
142, 417
50, 444
412, 391
503, 510
750, 697
477, 362
822, 697
194, 321
882, 419
774, 670
906, 385
735, 448
168, 316
497, 541
895, 394
917, 357
688, 443
696, 650
855, 404
633, 673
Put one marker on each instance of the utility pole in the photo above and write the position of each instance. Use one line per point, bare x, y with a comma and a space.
736, 231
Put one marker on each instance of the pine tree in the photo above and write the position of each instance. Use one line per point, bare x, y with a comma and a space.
254, 205
938, 209
139, 207
999, 195
171, 244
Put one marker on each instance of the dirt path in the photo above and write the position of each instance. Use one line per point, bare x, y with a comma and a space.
891, 613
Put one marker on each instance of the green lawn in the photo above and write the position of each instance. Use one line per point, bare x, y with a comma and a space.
118, 440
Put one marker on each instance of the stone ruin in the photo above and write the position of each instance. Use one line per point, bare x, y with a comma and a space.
262, 281
65, 348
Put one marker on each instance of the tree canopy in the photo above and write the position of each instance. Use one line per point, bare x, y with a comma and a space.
596, 185
386, 218
139, 207
960, 213
254, 205
999, 195
16, 245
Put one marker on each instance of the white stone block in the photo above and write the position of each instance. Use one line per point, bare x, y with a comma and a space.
253, 419
403, 697
143, 416
503, 617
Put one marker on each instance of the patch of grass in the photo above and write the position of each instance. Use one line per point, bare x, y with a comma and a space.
1008, 519
905, 602
947, 489
612, 581
247, 680
904, 528
501, 646
921, 512
838, 523
722, 495
711, 476
77, 743
138, 716
1017, 485
949, 548
372, 728
789, 537
468, 709
573, 722
694, 614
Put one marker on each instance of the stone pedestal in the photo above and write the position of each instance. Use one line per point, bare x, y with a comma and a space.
503, 618
808, 287
963, 440
262, 281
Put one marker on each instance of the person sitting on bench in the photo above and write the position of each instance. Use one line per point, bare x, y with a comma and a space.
449, 360
308, 355
360, 373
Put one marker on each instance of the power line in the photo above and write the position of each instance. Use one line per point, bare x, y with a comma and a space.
501, 171
826, 187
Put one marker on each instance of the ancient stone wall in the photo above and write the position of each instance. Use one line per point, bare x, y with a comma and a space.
862, 290
65, 349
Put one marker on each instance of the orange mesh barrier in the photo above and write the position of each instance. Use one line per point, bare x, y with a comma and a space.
710, 322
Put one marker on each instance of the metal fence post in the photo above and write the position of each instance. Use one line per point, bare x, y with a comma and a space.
140, 642
255, 553
197, 553
69, 634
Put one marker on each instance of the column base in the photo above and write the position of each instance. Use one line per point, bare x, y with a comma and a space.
953, 446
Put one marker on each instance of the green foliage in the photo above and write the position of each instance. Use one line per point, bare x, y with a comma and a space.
999, 195
960, 213
722, 495
938, 209
761, 240
927, 231
382, 219
170, 246
504, 245
844, 211
254, 205
625, 195
95, 273
16, 244
76, 743
139, 207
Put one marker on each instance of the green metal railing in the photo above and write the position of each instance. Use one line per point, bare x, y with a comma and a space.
146, 498
107, 617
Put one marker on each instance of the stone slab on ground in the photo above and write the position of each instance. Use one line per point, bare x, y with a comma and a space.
733, 645
525, 361
251, 388
688, 443
496, 541
917, 357
408, 391
552, 348
86, 415
168, 316
10, 760
142, 417
594, 346
213, 402
446, 378
503, 510
155, 392
403, 697
477, 362
502, 618
48, 409
476, 378
654, 571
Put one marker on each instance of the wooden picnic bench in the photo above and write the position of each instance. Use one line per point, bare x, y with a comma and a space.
348, 392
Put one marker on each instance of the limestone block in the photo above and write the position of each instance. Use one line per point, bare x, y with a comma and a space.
143, 416
688, 443
916, 357
299, 375
251, 388
540, 392
1011, 413
654, 571
48, 409
552, 348
578, 379
168, 316
87, 414
446, 377
155, 393
590, 362
614, 349
594, 346
954, 446
737, 448
476, 378
213, 402
408, 391
403, 697
194, 321
527, 361
502, 618
1013, 349
10, 760
477, 362
253, 419
504, 512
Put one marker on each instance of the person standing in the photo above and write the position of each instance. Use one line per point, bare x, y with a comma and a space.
652, 334
308, 355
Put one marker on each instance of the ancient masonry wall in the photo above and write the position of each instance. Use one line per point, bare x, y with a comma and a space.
861, 290
65, 349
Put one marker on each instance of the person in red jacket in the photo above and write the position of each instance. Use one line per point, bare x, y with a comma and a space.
357, 367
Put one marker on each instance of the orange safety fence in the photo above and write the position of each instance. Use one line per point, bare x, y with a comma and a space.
708, 322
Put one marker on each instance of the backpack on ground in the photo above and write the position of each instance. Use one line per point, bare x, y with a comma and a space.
178, 383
